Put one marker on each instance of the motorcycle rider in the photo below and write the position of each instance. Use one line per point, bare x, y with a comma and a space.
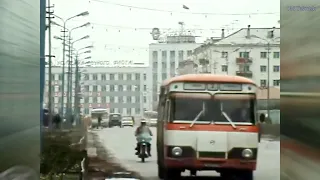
143, 131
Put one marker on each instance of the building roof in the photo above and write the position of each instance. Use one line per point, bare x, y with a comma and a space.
240, 37
208, 78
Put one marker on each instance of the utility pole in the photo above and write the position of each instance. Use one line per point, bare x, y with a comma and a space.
268, 85
68, 83
49, 12
76, 85
227, 62
63, 69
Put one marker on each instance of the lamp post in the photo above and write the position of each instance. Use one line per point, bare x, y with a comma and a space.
86, 13
69, 80
77, 75
268, 42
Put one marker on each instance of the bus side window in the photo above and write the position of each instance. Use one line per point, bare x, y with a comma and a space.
167, 110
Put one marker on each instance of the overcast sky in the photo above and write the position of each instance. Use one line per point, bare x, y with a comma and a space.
119, 32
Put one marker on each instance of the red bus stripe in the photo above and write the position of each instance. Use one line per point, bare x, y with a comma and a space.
211, 127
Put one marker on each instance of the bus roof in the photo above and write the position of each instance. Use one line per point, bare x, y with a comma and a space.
207, 78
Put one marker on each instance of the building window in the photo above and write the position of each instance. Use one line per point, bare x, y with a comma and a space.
144, 87
120, 76
60, 77
137, 88
144, 76
144, 99
263, 83
244, 54
276, 82
224, 68
120, 99
263, 68
86, 100
111, 87
103, 77
94, 99
164, 76
263, 55
120, 110
155, 55
86, 110
128, 99
137, 76
155, 78
155, 65
224, 54
276, 55
189, 53
164, 56
164, 66
137, 111
129, 77
111, 76
137, 99
120, 88
180, 55
111, 110
86, 88
103, 99
111, 99
103, 88
172, 56
129, 88
94, 77
86, 77
276, 68
129, 111
95, 88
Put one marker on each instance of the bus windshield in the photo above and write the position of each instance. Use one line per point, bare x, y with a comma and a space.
217, 110
115, 116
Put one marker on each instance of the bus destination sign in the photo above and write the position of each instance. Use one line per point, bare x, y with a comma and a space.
213, 87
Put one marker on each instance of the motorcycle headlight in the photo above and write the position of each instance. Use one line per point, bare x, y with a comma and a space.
247, 153
176, 151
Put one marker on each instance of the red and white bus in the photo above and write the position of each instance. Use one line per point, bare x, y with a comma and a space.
207, 122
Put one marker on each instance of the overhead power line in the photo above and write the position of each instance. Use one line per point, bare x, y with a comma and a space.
184, 12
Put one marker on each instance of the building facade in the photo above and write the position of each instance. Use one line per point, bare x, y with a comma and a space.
119, 89
164, 60
249, 52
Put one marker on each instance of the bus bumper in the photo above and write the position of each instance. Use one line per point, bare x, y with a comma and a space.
209, 163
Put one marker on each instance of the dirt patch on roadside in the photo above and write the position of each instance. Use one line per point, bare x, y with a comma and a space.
104, 165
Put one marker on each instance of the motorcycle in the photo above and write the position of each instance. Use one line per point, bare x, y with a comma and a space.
144, 143
143, 146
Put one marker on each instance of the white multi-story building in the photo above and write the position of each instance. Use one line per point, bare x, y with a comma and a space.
119, 88
164, 59
249, 52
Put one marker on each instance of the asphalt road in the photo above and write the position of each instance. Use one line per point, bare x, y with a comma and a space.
121, 143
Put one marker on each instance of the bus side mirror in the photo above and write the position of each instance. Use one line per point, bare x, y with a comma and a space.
262, 118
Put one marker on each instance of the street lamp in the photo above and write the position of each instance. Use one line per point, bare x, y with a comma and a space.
86, 13
69, 80
268, 41
226, 56
77, 85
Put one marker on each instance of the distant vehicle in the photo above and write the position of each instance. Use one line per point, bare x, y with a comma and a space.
127, 121
95, 113
207, 122
115, 119
151, 117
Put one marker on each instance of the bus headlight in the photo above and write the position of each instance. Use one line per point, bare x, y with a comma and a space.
176, 151
247, 153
